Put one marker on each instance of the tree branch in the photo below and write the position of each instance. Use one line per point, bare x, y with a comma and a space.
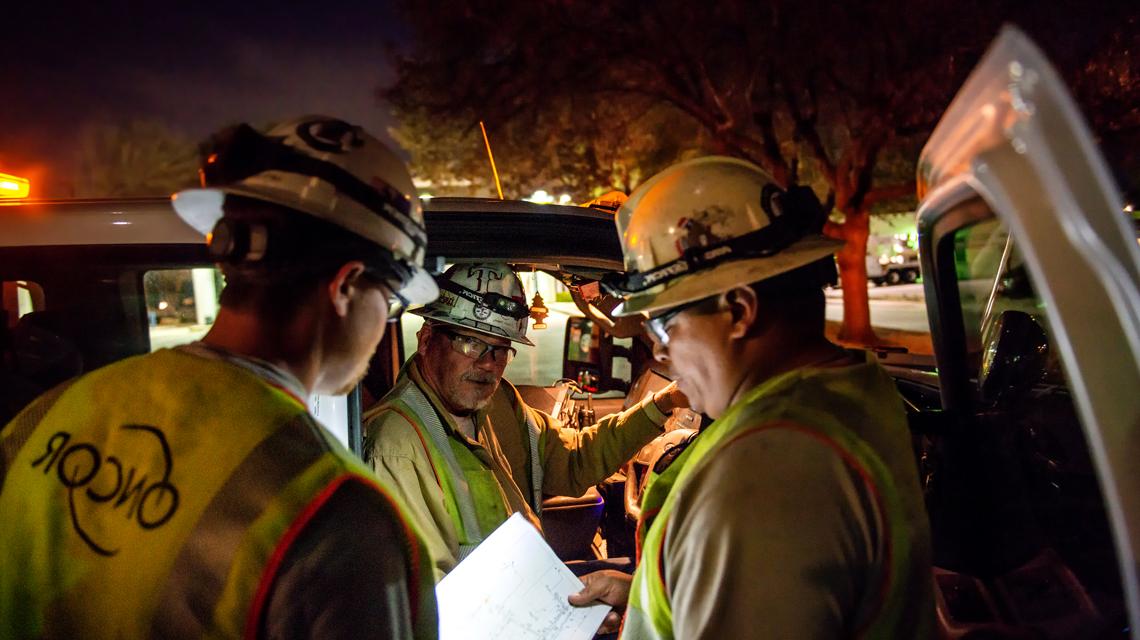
887, 193
806, 126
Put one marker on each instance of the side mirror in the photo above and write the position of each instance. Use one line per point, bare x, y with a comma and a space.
1013, 358
588, 353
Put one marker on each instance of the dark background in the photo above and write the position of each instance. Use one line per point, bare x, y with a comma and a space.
192, 67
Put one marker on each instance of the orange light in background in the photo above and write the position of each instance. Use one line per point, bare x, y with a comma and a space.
14, 186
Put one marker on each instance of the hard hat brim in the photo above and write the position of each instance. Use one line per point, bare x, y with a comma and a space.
199, 208
436, 315
421, 289
202, 208
727, 275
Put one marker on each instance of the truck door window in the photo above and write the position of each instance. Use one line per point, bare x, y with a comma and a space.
1041, 486
181, 304
21, 297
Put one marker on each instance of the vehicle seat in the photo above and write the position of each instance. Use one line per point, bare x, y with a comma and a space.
1042, 594
541, 398
44, 355
571, 523
38, 358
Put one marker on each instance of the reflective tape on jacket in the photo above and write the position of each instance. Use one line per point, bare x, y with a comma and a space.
781, 403
156, 497
410, 402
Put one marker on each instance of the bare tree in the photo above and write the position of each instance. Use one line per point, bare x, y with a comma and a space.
140, 158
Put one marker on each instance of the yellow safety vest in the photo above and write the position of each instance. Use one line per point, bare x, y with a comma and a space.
899, 604
156, 497
473, 495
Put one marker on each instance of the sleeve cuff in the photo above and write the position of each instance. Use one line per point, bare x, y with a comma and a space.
653, 412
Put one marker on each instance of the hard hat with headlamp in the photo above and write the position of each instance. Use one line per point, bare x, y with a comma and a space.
708, 225
485, 297
325, 168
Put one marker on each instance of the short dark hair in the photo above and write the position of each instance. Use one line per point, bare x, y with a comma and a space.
797, 295
302, 253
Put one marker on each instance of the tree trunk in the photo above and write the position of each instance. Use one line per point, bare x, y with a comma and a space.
856, 327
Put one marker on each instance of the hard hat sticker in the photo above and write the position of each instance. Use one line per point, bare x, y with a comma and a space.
698, 230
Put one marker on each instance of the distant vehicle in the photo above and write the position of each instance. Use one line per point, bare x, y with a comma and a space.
897, 269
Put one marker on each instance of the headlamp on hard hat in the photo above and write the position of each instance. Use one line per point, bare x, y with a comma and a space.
496, 302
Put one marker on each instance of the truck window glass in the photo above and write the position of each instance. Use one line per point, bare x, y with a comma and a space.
1050, 540
180, 304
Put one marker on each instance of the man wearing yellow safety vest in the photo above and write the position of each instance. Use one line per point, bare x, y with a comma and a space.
458, 443
189, 493
797, 512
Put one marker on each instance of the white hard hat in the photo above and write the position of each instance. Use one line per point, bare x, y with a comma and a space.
328, 169
484, 297
707, 225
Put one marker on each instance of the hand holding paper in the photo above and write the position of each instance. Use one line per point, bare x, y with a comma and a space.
609, 587
513, 587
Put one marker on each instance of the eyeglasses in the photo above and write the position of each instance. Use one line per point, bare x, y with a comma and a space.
658, 326
475, 348
396, 302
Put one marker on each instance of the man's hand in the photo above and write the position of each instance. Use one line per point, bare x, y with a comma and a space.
608, 587
670, 398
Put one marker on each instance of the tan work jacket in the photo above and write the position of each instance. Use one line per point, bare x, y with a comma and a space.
495, 465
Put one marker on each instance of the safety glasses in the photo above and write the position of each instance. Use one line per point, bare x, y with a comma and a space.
475, 348
396, 302
658, 326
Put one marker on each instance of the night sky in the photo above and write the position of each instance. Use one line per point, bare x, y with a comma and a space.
194, 68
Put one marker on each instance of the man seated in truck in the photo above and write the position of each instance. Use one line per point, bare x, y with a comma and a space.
458, 443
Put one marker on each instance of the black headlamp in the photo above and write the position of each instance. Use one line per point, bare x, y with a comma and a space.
496, 302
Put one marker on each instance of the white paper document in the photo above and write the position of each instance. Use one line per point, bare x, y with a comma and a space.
513, 587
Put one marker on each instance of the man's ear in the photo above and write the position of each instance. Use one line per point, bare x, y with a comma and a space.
424, 336
345, 286
744, 307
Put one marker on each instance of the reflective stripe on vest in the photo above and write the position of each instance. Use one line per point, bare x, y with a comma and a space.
420, 413
650, 613
152, 507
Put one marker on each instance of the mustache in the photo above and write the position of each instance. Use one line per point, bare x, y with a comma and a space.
481, 378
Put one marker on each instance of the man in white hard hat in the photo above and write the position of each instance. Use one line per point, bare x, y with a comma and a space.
797, 513
456, 440
189, 493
